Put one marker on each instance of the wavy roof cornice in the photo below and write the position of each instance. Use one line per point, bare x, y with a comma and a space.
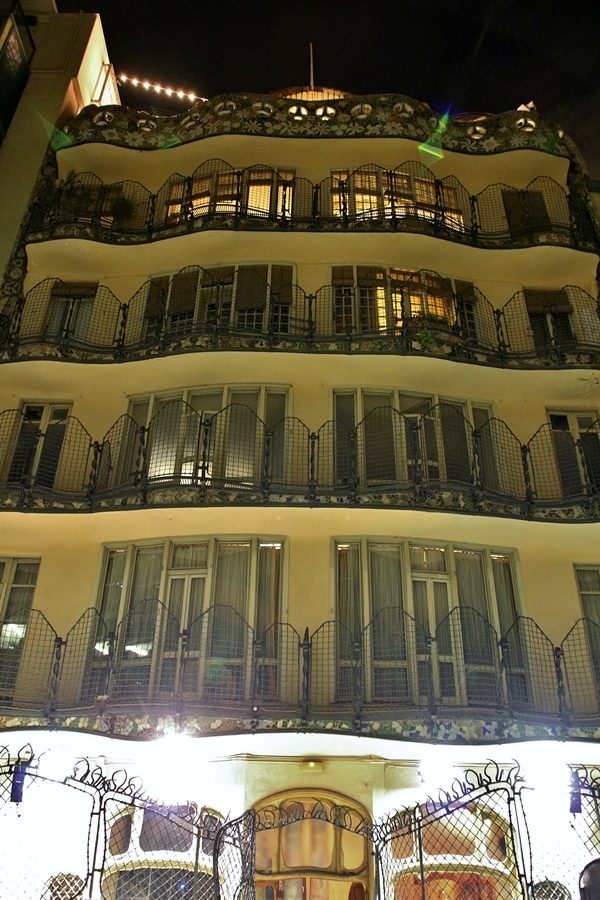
373, 115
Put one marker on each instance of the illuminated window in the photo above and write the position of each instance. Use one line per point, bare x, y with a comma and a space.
369, 299
339, 206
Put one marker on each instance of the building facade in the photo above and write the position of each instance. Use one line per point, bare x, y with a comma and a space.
299, 498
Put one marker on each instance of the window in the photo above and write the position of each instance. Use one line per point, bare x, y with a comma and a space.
369, 193
588, 584
214, 433
218, 592
550, 318
17, 585
403, 437
394, 594
571, 429
245, 298
38, 443
526, 212
370, 299
269, 192
70, 310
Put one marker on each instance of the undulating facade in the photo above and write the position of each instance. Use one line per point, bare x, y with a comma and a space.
299, 495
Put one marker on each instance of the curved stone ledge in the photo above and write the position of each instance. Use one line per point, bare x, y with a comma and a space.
456, 730
373, 115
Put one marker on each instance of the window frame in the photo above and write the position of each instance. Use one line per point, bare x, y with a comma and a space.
266, 400
402, 297
399, 457
217, 303
208, 572
409, 607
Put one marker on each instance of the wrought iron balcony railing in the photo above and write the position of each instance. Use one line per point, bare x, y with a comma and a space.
407, 198
383, 311
435, 459
218, 662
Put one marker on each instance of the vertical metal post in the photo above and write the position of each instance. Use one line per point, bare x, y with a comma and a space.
560, 683
54, 675
312, 480
305, 650
527, 477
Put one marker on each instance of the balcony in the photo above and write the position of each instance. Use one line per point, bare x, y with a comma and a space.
372, 310
372, 199
392, 669
433, 460
271, 115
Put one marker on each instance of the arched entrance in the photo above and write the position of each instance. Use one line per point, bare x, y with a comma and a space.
312, 848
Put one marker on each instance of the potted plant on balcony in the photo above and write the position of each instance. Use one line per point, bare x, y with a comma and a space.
430, 329
121, 208
77, 199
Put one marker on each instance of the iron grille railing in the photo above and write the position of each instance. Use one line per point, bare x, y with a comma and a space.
403, 455
196, 311
391, 668
480, 835
407, 198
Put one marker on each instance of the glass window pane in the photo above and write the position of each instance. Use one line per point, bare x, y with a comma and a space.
231, 575
189, 556
269, 586
348, 587
110, 601
25, 573
146, 576
427, 559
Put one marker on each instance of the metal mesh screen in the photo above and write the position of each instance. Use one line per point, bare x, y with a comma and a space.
530, 669
120, 458
146, 654
277, 669
467, 660
344, 314
288, 455
234, 859
500, 460
27, 642
394, 667
218, 659
155, 852
235, 447
463, 849
64, 464
336, 677
39, 860
581, 663
554, 465
85, 663
381, 449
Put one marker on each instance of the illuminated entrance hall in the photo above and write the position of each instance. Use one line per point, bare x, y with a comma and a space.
484, 835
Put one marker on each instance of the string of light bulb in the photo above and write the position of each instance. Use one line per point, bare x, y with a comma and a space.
158, 88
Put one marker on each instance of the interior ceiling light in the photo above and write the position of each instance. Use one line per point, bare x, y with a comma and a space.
159, 88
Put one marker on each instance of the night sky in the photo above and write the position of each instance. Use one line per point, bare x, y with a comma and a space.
456, 55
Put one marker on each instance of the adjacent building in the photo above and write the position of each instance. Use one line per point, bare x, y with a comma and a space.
299, 494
